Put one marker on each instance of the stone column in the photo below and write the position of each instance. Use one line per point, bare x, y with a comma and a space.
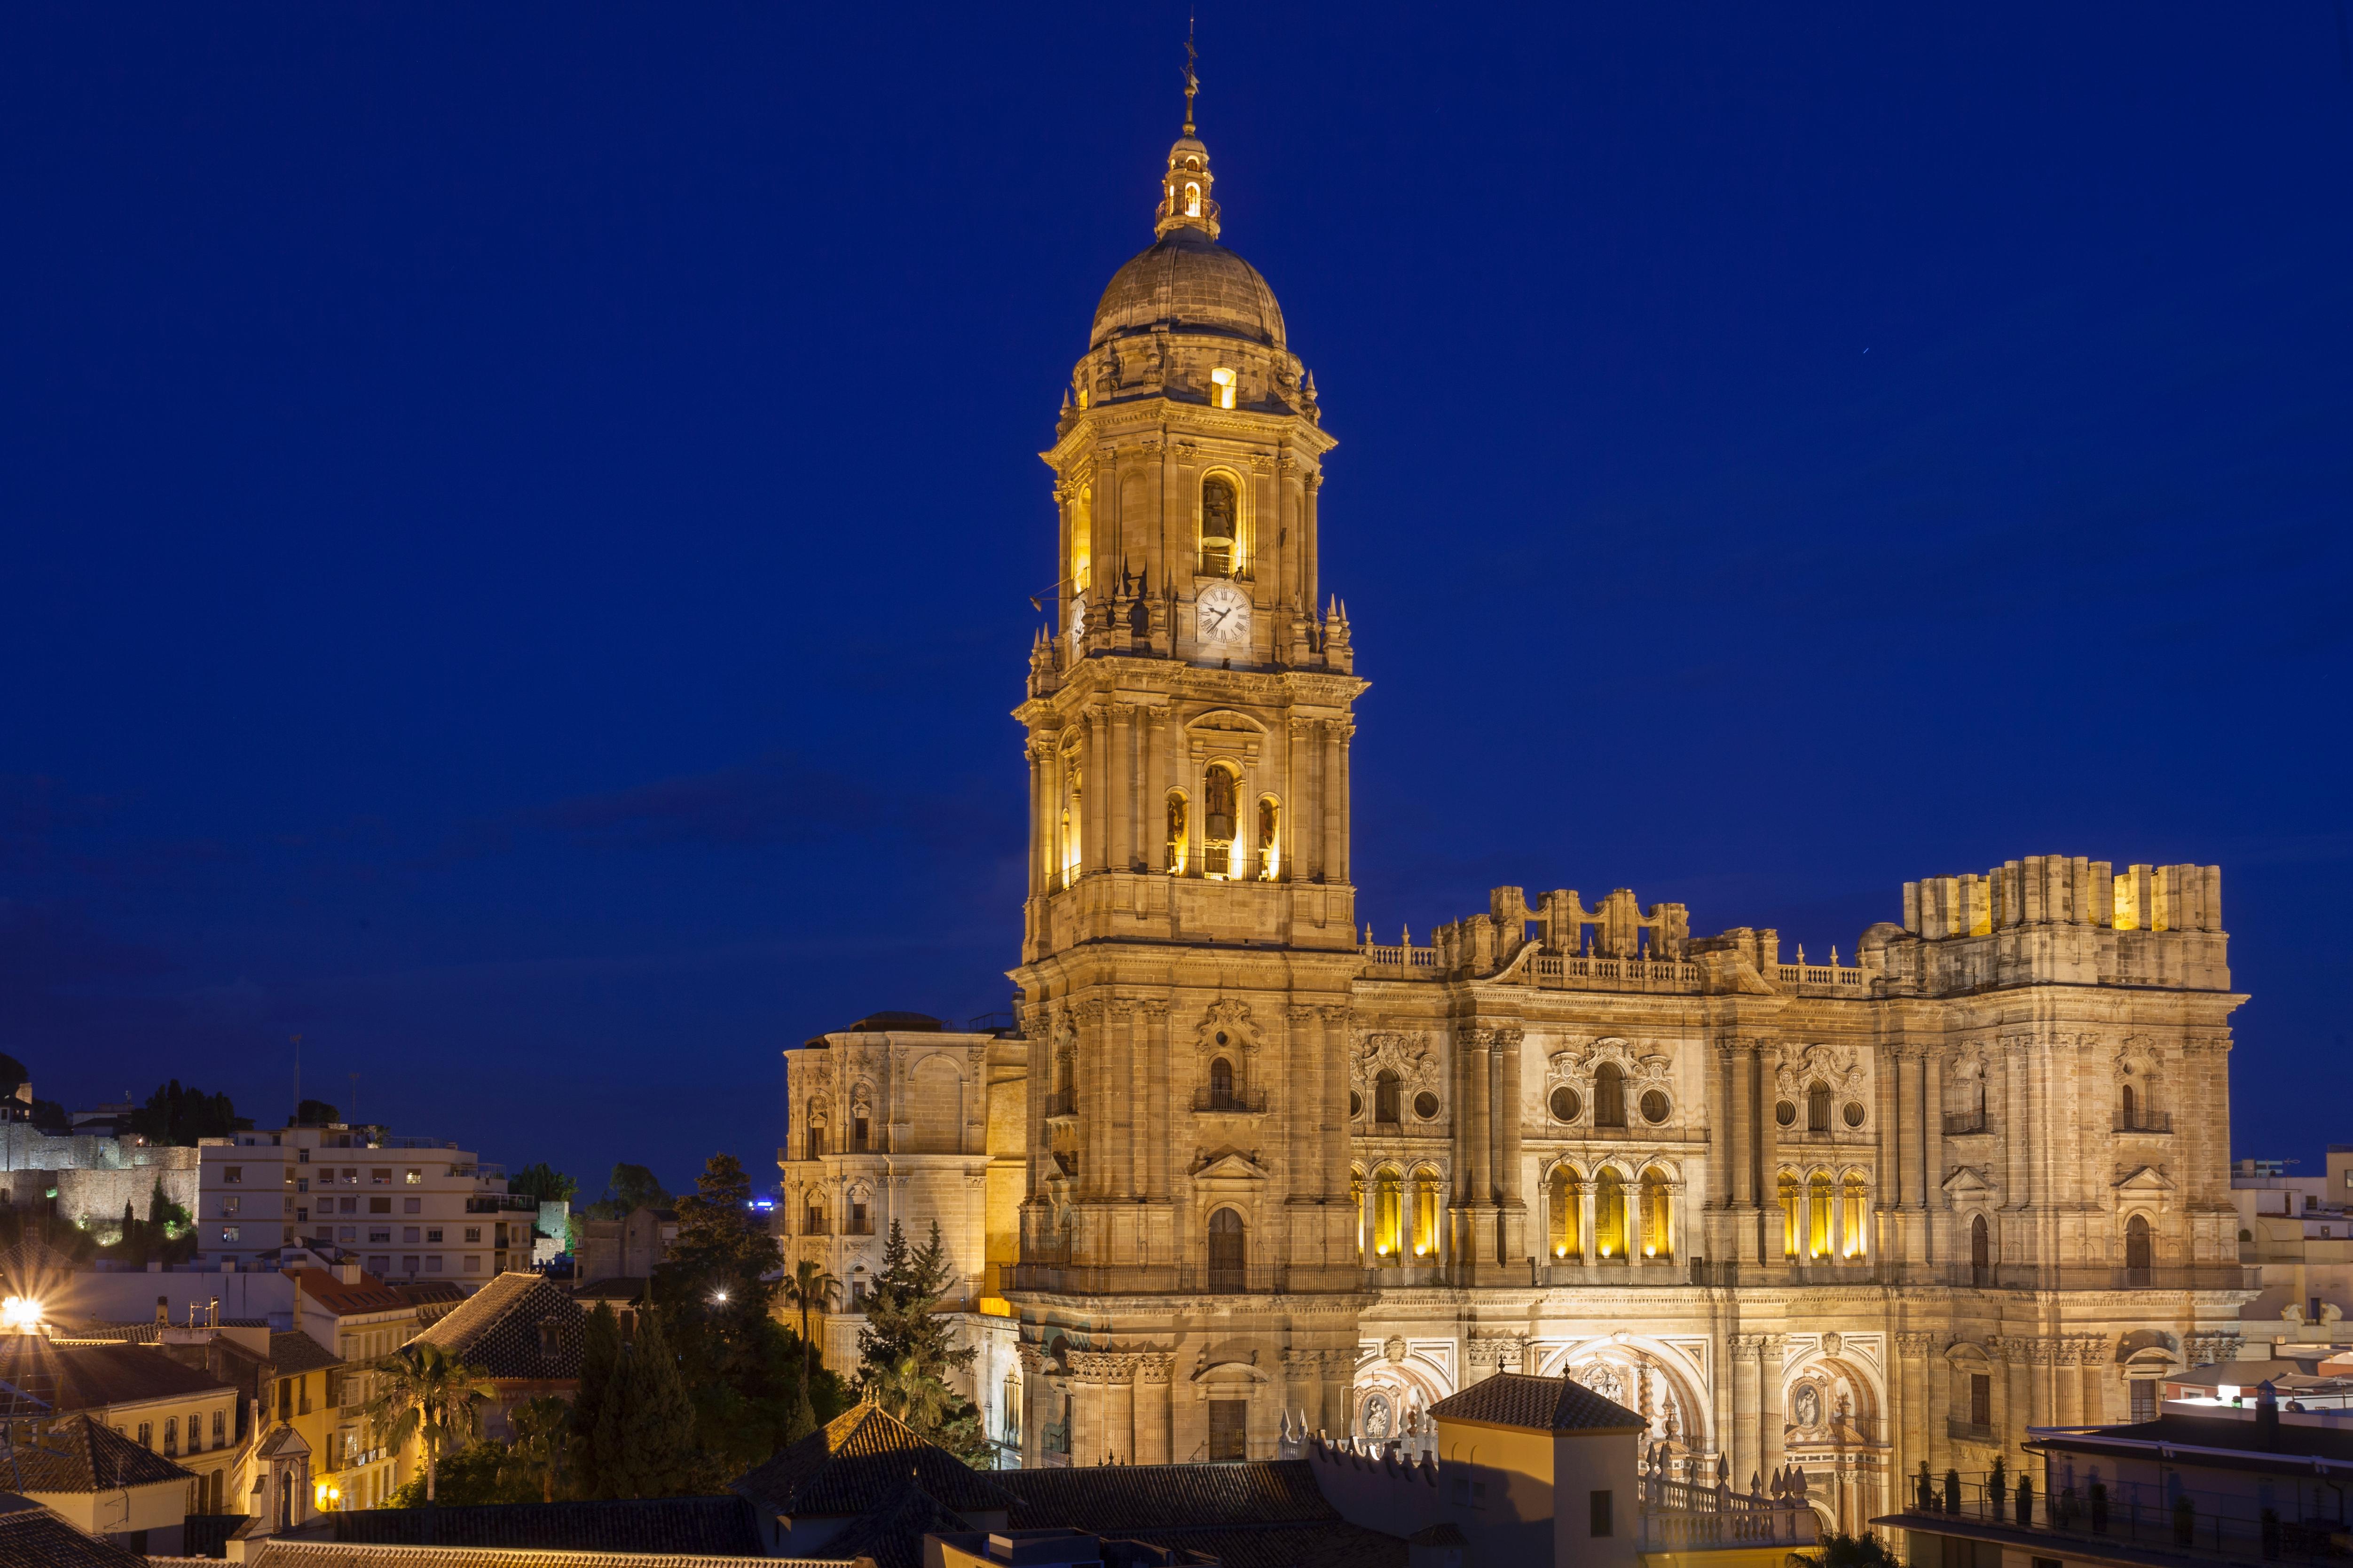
1747, 1453
1504, 1107
1769, 1349
1152, 1149
1119, 1409
2096, 1384
1120, 1105
1086, 1408
1119, 792
1475, 1046
1338, 1415
1152, 1374
1932, 1141
2017, 1391
1310, 566
1334, 805
2067, 1382
1765, 1096
1938, 1442
1343, 732
1588, 1189
1092, 845
1908, 1423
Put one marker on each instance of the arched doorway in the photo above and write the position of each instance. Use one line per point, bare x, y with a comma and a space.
1229, 1252
2139, 1249
1980, 1252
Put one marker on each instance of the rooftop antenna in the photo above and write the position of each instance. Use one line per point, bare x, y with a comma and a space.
298, 1078
1192, 78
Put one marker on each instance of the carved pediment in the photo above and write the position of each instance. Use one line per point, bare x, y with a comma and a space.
1803, 1066
1968, 1180
1579, 1063
1229, 1165
1222, 731
2145, 1179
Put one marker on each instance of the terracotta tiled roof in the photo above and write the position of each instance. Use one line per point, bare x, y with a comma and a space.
84, 1455
93, 1376
295, 1354
281, 1553
861, 1461
497, 1328
32, 1536
366, 1294
622, 1288
1535, 1405
430, 1293
707, 1527
1117, 1499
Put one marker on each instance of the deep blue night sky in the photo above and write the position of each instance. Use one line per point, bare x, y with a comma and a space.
516, 522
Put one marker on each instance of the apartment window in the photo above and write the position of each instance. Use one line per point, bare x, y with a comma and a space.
171, 1437
1597, 1514
302, 1183
379, 1237
380, 1176
408, 1265
233, 1174
1980, 1399
147, 1435
857, 1134
351, 1176
350, 1206
409, 1234
474, 1233
230, 1205
379, 1205
433, 1235
302, 1216
349, 1232
301, 1156
415, 1176
473, 1264
219, 1428
196, 1432
412, 1205
2144, 1399
433, 1264
857, 1222
379, 1264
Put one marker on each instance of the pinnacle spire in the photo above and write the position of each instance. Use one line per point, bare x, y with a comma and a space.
1192, 77
1185, 189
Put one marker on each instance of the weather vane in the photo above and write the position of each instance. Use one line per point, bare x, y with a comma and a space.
1192, 78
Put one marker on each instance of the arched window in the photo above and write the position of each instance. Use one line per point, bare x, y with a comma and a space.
1608, 1096
1357, 1202
1658, 1216
1229, 1252
813, 1217
1425, 1213
1218, 791
1221, 1085
2129, 1111
2139, 1249
1216, 527
816, 1133
1073, 817
1851, 1218
1177, 828
1789, 1226
1192, 199
1270, 838
1388, 1093
1818, 1108
171, 1435
1560, 1210
1980, 1251
1222, 382
1389, 1218
1818, 1217
1609, 1217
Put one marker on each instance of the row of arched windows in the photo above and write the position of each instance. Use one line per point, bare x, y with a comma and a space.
1626, 1220
1822, 1218
1399, 1222
1226, 855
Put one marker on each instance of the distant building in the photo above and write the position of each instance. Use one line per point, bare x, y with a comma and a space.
626, 1249
105, 1484
161, 1405
34, 1533
405, 1207
2297, 1233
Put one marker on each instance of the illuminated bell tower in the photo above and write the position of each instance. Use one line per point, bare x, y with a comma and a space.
1190, 1274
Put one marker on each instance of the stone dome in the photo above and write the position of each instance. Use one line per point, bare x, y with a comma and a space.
1190, 282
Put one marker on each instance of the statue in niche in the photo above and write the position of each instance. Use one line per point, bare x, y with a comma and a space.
1807, 1408
1376, 1416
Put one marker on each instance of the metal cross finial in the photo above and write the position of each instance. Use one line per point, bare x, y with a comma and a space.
1192, 78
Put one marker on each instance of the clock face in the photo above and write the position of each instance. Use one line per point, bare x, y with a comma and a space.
1223, 619
1077, 616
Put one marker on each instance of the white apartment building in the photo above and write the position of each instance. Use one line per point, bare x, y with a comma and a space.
403, 1208
2298, 1233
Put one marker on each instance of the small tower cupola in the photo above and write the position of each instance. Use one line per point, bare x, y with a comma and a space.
1185, 190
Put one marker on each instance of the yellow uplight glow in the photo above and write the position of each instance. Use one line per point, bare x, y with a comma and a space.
20, 1314
995, 1307
1650, 1252
1222, 380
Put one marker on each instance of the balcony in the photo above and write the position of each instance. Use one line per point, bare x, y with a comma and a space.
2146, 1121
1680, 1516
1062, 1102
1962, 1123
1961, 1431
1231, 1102
2125, 1522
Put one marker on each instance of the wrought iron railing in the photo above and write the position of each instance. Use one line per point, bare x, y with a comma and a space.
2146, 1121
2162, 1519
1240, 1101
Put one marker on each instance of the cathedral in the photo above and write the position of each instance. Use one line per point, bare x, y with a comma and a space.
1240, 1171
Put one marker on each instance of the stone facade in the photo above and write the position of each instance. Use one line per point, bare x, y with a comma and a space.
1853, 1214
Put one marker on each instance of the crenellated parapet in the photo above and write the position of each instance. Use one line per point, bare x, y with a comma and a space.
2058, 919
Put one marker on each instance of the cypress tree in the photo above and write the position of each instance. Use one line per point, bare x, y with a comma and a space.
600, 1362
643, 1429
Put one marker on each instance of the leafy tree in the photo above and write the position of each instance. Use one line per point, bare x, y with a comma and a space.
316, 1114
542, 1430
544, 1182
1866, 1550
178, 1117
715, 1291
906, 1349
634, 1423
424, 1394
480, 1472
811, 1290
12, 1073
629, 1187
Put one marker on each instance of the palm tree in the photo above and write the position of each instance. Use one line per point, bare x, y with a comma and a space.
810, 1288
901, 1388
542, 1429
422, 1392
